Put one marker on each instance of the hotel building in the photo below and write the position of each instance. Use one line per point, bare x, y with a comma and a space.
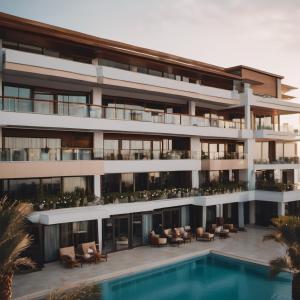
108, 140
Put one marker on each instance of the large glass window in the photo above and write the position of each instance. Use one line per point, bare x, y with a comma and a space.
33, 149
127, 182
17, 99
137, 230
72, 105
70, 183
43, 103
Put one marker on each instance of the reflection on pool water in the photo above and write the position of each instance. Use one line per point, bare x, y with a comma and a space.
209, 277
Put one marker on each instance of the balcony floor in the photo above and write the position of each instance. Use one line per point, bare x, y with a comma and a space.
248, 245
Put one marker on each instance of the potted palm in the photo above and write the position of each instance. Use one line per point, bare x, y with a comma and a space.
13, 241
287, 233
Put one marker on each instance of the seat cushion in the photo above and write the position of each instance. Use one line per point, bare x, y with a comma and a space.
162, 241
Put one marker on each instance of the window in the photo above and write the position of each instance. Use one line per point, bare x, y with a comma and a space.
155, 72
71, 183
71, 105
114, 64
17, 99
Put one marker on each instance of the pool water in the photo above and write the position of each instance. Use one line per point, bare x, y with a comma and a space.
209, 277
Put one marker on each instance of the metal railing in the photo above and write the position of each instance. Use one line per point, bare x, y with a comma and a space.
280, 160
53, 154
46, 154
223, 155
277, 128
276, 186
26, 105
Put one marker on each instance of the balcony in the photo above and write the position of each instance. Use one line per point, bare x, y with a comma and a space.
124, 161
49, 154
136, 154
43, 65
276, 186
37, 162
223, 161
132, 79
49, 114
275, 132
283, 163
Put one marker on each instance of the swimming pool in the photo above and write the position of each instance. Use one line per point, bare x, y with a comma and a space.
209, 277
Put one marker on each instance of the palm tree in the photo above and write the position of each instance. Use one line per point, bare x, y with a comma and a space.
287, 233
13, 241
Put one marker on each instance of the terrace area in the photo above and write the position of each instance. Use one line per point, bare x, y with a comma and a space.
246, 245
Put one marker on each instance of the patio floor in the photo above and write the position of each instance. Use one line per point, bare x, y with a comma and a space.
247, 245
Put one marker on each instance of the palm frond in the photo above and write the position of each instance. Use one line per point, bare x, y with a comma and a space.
13, 239
278, 265
83, 292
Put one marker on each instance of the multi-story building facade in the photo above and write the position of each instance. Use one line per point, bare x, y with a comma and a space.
109, 140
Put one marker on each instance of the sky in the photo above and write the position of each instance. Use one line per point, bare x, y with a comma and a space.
259, 33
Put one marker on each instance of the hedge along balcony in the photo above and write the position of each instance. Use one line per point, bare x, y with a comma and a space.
280, 160
136, 154
26, 105
275, 186
172, 193
222, 155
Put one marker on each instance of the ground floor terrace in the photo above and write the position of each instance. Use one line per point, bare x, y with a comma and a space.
247, 245
127, 226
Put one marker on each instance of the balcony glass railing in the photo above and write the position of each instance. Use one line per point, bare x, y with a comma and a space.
280, 160
223, 155
46, 154
149, 154
277, 128
276, 186
26, 105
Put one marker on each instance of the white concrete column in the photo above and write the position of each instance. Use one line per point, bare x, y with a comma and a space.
195, 147
217, 211
229, 210
221, 210
247, 100
195, 179
249, 150
97, 96
195, 154
192, 108
98, 152
281, 209
252, 212
204, 217
99, 221
241, 214
97, 185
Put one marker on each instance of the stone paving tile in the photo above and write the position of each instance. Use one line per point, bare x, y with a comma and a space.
248, 245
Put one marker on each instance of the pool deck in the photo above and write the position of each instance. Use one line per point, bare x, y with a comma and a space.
245, 245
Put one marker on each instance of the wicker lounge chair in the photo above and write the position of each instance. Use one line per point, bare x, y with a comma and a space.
156, 240
201, 235
91, 253
230, 227
68, 257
